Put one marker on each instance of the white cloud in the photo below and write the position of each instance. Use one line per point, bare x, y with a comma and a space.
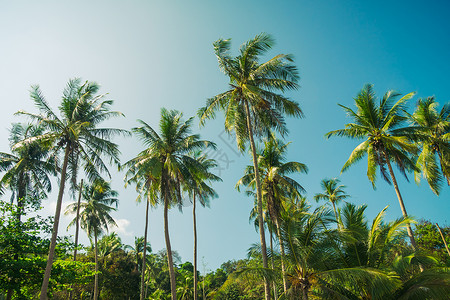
121, 229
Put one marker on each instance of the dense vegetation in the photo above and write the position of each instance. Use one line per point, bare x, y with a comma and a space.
330, 252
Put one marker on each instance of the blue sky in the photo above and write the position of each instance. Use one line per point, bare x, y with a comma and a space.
153, 54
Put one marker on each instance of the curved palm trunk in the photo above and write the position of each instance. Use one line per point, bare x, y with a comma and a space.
173, 287
283, 268
259, 198
144, 251
402, 204
96, 267
51, 251
195, 249
443, 238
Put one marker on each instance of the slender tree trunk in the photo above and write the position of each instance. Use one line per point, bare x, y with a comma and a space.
336, 216
443, 239
305, 294
275, 294
20, 206
259, 198
77, 230
144, 251
77, 226
195, 249
283, 268
402, 206
400, 200
9, 294
173, 287
96, 267
443, 169
51, 251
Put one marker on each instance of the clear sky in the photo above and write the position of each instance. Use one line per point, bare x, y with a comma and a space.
153, 54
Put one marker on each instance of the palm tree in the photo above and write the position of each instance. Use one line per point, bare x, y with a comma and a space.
82, 110
108, 244
145, 175
199, 189
95, 215
252, 105
168, 155
432, 130
28, 167
313, 266
385, 140
332, 192
138, 250
277, 186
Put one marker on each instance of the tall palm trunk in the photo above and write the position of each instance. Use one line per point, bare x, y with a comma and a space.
96, 267
443, 239
259, 198
195, 248
173, 287
20, 205
77, 230
144, 250
51, 251
400, 200
283, 268
402, 206
274, 285
335, 215
443, 169
77, 226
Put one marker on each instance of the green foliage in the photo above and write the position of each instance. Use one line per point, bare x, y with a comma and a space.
23, 256
429, 240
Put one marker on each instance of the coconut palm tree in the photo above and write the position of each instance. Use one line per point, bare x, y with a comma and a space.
199, 189
138, 249
252, 104
332, 192
432, 131
385, 138
277, 186
76, 132
168, 154
315, 268
144, 174
28, 167
95, 215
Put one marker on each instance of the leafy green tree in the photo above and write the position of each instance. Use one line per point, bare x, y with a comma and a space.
76, 131
22, 250
332, 192
95, 215
432, 130
385, 138
429, 240
28, 167
168, 154
277, 186
252, 105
